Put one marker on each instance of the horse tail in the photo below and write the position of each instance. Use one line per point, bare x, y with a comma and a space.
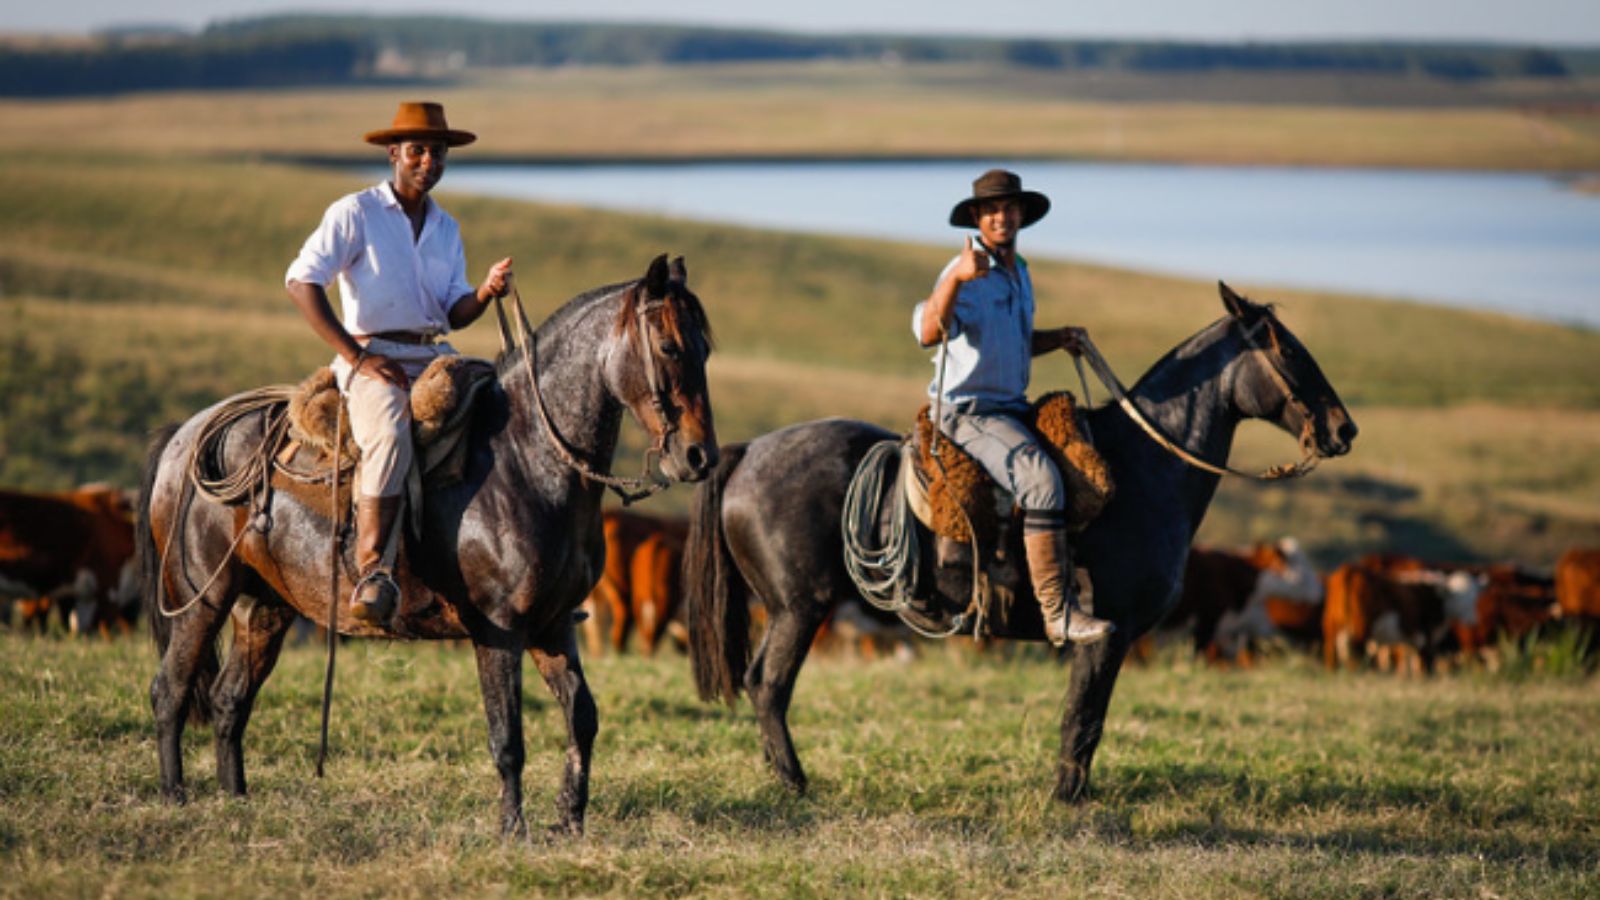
719, 608
150, 581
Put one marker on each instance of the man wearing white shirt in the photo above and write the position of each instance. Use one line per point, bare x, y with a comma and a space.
401, 271
982, 304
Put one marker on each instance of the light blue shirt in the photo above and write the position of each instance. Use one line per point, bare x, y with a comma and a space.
991, 341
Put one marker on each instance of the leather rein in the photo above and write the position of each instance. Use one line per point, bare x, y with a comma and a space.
630, 490
1309, 461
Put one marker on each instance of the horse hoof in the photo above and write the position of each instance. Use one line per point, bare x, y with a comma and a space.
567, 828
1072, 786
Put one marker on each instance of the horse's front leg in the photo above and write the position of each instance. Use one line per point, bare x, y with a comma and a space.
1094, 674
557, 659
500, 676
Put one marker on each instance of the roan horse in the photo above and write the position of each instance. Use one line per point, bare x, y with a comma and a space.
767, 521
505, 556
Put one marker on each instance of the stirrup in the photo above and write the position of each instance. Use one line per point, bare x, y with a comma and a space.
379, 610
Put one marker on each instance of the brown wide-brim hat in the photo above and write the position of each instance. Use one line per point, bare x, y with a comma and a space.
419, 121
998, 184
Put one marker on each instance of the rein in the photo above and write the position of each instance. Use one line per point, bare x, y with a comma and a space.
630, 490
1102, 369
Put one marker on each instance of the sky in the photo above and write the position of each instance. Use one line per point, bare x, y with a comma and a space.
1550, 22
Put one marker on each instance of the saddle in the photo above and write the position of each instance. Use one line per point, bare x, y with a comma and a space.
442, 400
949, 493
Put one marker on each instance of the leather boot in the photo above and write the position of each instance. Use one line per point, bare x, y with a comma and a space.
376, 593
1056, 586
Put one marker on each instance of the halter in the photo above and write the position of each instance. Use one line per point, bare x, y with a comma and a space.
1102, 369
630, 490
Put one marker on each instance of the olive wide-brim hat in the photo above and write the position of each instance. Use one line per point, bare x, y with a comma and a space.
420, 121
998, 184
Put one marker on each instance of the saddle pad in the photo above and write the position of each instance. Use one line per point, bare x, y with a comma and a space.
440, 401
960, 490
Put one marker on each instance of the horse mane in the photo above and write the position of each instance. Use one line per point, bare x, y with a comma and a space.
1207, 336
682, 305
557, 321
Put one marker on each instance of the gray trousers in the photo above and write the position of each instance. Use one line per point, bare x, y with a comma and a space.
1008, 451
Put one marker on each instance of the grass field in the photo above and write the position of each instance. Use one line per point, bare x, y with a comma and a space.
929, 779
834, 110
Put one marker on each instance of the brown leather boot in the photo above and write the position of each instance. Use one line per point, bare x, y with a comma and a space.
376, 593
1056, 586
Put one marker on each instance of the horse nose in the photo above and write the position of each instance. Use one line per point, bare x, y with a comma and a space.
1348, 432
700, 459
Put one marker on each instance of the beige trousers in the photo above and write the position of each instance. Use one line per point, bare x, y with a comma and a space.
380, 415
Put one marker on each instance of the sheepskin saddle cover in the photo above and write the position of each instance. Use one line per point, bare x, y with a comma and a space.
440, 402
962, 486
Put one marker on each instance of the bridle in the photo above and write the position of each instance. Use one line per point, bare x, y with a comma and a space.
630, 490
1309, 461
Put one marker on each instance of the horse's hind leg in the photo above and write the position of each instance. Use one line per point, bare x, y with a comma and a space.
258, 632
500, 677
1094, 673
770, 683
563, 673
188, 664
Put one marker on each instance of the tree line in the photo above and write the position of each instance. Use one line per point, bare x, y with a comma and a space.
313, 49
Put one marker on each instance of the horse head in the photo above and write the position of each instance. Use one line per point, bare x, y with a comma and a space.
656, 367
1282, 384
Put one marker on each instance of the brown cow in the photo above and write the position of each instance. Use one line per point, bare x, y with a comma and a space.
613, 600
655, 585
1578, 584
1225, 594
1512, 604
1395, 609
71, 551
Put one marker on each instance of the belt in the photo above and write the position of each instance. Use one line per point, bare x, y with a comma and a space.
400, 337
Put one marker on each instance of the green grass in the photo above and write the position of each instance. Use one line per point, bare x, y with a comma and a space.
928, 779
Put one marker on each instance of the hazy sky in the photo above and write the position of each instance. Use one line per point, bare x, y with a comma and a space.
1529, 21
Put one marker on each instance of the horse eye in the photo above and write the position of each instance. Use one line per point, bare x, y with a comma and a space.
671, 350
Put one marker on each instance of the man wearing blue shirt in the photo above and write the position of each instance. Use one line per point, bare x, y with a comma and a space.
398, 260
983, 305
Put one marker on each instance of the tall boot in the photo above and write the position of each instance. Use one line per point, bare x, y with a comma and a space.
1056, 586
376, 593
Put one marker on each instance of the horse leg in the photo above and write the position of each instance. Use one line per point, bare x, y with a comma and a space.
190, 656
770, 684
1094, 673
558, 662
500, 678
258, 635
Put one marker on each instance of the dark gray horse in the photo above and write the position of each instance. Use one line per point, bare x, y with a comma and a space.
505, 556
767, 522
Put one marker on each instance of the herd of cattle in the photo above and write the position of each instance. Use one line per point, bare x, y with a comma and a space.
70, 555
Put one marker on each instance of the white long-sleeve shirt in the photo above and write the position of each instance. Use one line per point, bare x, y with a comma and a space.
387, 280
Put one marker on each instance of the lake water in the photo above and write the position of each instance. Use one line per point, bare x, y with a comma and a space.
1518, 243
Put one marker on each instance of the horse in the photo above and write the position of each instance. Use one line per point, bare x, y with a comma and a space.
768, 522
504, 556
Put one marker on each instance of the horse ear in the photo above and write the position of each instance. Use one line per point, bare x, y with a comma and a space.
680, 273
1237, 306
655, 280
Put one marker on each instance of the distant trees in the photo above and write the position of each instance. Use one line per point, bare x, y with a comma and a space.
114, 66
306, 49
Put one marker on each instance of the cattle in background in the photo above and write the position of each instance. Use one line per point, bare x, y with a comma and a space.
1513, 604
72, 552
1396, 610
1578, 585
655, 585
1225, 594
630, 583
